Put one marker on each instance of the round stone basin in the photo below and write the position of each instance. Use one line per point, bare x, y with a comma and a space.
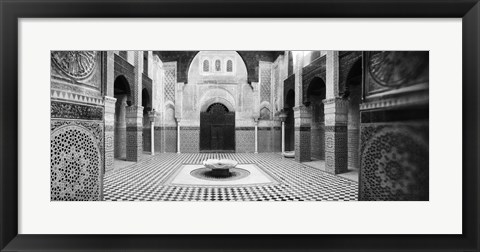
289, 154
220, 167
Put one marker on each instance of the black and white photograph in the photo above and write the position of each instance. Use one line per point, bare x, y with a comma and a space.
269, 125
239, 125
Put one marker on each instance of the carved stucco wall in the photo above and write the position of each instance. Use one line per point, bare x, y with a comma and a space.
184, 97
77, 127
394, 127
205, 88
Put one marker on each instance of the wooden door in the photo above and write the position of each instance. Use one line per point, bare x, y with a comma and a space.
217, 129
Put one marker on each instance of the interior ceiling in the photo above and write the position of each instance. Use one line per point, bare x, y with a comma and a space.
251, 59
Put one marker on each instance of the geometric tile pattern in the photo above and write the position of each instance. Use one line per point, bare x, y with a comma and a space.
336, 152
170, 82
353, 148
109, 132
265, 80
169, 136
134, 143
145, 181
245, 140
317, 142
394, 161
276, 95
134, 118
189, 139
302, 144
75, 162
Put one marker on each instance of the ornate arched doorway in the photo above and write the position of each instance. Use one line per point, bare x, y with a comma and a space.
217, 129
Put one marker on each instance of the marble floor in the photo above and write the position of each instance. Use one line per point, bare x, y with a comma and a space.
155, 178
352, 173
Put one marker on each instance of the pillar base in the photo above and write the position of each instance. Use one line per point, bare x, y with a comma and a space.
303, 118
336, 152
336, 136
134, 133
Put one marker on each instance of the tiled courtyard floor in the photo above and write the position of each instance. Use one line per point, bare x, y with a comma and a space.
146, 181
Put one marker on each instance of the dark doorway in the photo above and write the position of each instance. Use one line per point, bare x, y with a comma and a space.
217, 129
315, 96
121, 91
290, 121
146, 121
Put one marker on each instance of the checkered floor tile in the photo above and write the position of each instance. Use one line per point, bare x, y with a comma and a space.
144, 181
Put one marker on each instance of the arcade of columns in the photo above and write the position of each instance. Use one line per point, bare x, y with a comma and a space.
335, 112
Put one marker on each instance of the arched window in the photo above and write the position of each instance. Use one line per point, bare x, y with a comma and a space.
218, 65
145, 62
206, 66
264, 114
229, 66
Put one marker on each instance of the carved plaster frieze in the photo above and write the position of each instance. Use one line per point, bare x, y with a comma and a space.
75, 64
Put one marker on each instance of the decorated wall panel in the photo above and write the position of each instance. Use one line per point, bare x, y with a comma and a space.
265, 139
394, 128
265, 83
169, 134
276, 88
395, 70
76, 126
245, 139
302, 144
189, 139
394, 161
170, 80
76, 160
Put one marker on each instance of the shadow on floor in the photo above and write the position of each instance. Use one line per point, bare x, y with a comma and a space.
122, 163
352, 173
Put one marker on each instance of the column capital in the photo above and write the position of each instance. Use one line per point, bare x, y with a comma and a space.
152, 115
134, 111
336, 111
302, 111
109, 104
282, 116
109, 99
337, 102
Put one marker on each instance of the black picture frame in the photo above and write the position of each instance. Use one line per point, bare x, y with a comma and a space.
11, 11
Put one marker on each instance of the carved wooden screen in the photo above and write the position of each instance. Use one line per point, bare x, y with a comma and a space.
217, 129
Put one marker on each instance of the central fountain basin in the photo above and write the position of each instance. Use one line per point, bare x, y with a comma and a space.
220, 167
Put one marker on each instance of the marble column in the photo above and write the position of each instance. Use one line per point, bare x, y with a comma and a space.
303, 119
134, 132
178, 135
109, 132
283, 137
283, 117
151, 117
256, 135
